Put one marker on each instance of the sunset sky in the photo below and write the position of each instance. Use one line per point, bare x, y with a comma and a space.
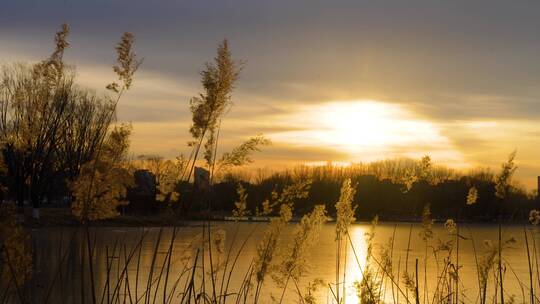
345, 81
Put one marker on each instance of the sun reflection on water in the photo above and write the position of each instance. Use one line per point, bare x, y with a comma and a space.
355, 258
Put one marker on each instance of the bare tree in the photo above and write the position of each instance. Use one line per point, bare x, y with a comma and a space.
89, 122
34, 113
49, 127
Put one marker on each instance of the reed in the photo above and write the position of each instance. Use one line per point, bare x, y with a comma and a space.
160, 266
289, 263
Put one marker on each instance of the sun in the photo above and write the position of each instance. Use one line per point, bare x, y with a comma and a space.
365, 130
366, 125
356, 125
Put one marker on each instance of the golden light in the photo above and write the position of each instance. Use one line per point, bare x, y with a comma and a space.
354, 271
366, 130
353, 125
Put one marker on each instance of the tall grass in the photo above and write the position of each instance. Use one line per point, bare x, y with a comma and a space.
211, 267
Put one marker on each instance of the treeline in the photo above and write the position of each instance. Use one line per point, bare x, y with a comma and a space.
62, 143
396, 189
59, 141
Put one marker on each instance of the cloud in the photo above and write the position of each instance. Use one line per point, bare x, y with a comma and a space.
366, 131
467, 69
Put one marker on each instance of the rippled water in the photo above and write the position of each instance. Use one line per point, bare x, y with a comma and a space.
50, 250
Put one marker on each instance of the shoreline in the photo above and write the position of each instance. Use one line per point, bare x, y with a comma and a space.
61, 217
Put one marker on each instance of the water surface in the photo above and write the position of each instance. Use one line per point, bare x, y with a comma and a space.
54, 245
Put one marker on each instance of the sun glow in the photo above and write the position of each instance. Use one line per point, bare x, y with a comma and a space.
367, 130
358, 124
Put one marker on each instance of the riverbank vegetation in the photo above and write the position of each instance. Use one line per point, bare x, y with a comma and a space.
396, 190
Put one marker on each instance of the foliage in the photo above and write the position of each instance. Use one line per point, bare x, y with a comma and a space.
208, 108
241, 204
269, 244
503, 179
293, 263
50, 128
88, 126
534, 217
425, 168
380, 187
427, 224
167, 173
290, 193
218, 82
241, 155
311, 289
102, 183
472, 196
126, 64
488, 262
450, 226
101, 187
35, 111
345, 209
367, 289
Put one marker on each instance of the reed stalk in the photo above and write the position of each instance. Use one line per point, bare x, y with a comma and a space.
500, 265
531, 282
416, 294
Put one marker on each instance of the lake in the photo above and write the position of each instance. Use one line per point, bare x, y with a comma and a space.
64, 246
